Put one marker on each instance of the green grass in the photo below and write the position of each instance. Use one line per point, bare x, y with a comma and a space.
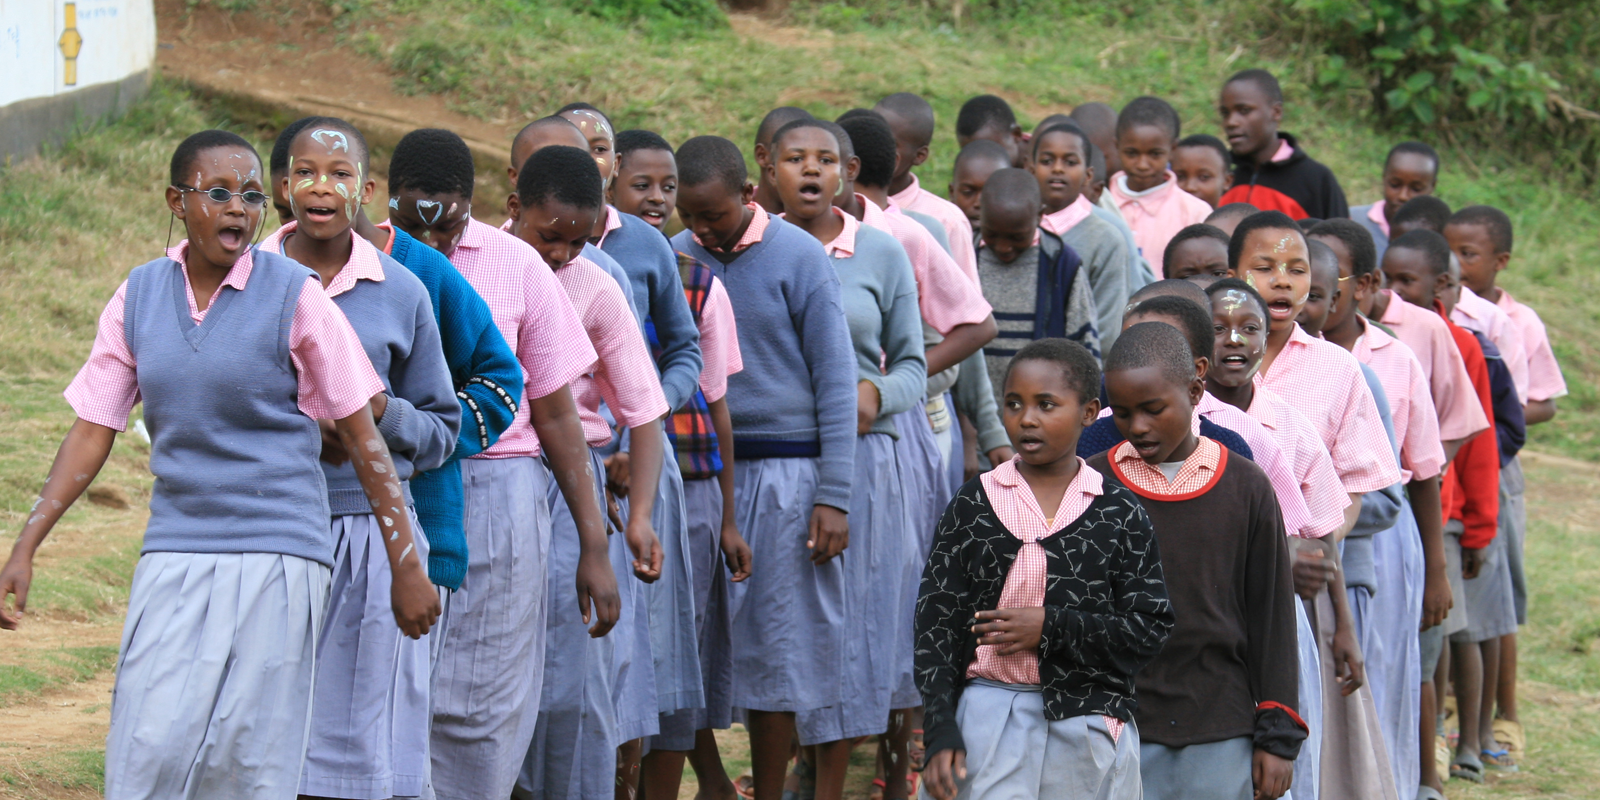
69, 770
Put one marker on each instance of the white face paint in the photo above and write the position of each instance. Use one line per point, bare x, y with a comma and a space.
378, 467
387, 523
404, 553
394, 203
335, 141
372, 445
394, 491
429, 211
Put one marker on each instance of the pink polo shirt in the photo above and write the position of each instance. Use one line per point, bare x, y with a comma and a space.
1416, 423
719, 342
334, 377
1018, 510
1068, 217
1375, 213
625, 375
1477, 314
752, 234
535, 317
1156, 215
1325, 497
613, 222
1324, 383
945, 295
950, 215
362, 265
1424, 331
1544, 374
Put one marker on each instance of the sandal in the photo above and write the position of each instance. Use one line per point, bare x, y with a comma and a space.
745, 787
1466, 770
1509, 733
805, 782
879, 787
1501, 760
1429, 793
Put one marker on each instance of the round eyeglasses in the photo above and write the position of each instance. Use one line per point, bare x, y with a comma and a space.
218, 194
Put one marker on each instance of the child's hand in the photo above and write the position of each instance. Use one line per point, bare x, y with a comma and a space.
413, 598
736, 552
1348, 668
646, 550
618, 473
1471, 562
613, 511
597, 584
1015, 630
867, 404
14, 581
1271, 775
829, 533
942, 773
1312, 570
1436, 599
1001, 455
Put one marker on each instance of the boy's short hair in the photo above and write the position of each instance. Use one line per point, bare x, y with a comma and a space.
914, 110
1356, 239
582, 106
1097, 162
984, 111
432, 161
776, 119
1199, 230
1264, 80
1236, 285
1151, 111
1427, 210
1261, 220
1065, 127
1434, 247
1232, 211
1321, 255
711, 158
630, 141
846, 147
1098, 119
562, 173
1207, 140
873, 142
351, 133
1415, 148
1153, 344
278, 161
1011, 189
981, 148
190, 149
1492, 220
1078, 366
1169, 287
1195, 319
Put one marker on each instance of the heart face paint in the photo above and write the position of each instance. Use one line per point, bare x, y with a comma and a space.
334, 141
435, 220
429, 210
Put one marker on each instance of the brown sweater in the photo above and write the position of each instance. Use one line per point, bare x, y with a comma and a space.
1231, 666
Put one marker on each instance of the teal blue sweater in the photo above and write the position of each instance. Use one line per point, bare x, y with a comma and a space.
488, 383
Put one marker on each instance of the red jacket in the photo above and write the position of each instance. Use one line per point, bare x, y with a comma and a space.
1470, 489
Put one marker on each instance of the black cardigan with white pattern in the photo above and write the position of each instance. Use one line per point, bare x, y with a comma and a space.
1106, 609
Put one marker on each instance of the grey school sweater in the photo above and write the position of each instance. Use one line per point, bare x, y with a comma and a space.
1106, 258
796, 396
879, 291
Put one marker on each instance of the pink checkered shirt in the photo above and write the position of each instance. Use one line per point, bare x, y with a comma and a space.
944, 294
613, 222
335, 378
1477, 314
719, 342
1198, 474
625, 376
1416, 423
949, 215
1156, 215
752, 234
1423, 330
1324, 383
1544, 374
1375, 213
1067, 218
535, 317
1325, 498
362, 265
843, 245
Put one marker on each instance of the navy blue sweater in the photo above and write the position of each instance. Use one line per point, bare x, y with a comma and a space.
652, 268
488, 383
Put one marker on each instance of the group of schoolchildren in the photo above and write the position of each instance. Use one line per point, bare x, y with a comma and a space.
1169, 474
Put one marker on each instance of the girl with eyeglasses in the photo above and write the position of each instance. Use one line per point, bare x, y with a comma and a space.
236, 353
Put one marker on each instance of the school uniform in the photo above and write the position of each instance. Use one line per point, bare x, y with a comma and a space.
1392, 649
695, 446
879, 292
1140, 274
1544, 383
1470, 495
955, 222
1487, 319
214, 674
1372, 218
1042, 293
1058, 723
1157, 214
1291, 182
370, 706
793, 412
1104, 254
1430, 340
1197, 744
488, 682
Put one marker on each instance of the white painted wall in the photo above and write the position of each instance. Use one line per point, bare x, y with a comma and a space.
118, 40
